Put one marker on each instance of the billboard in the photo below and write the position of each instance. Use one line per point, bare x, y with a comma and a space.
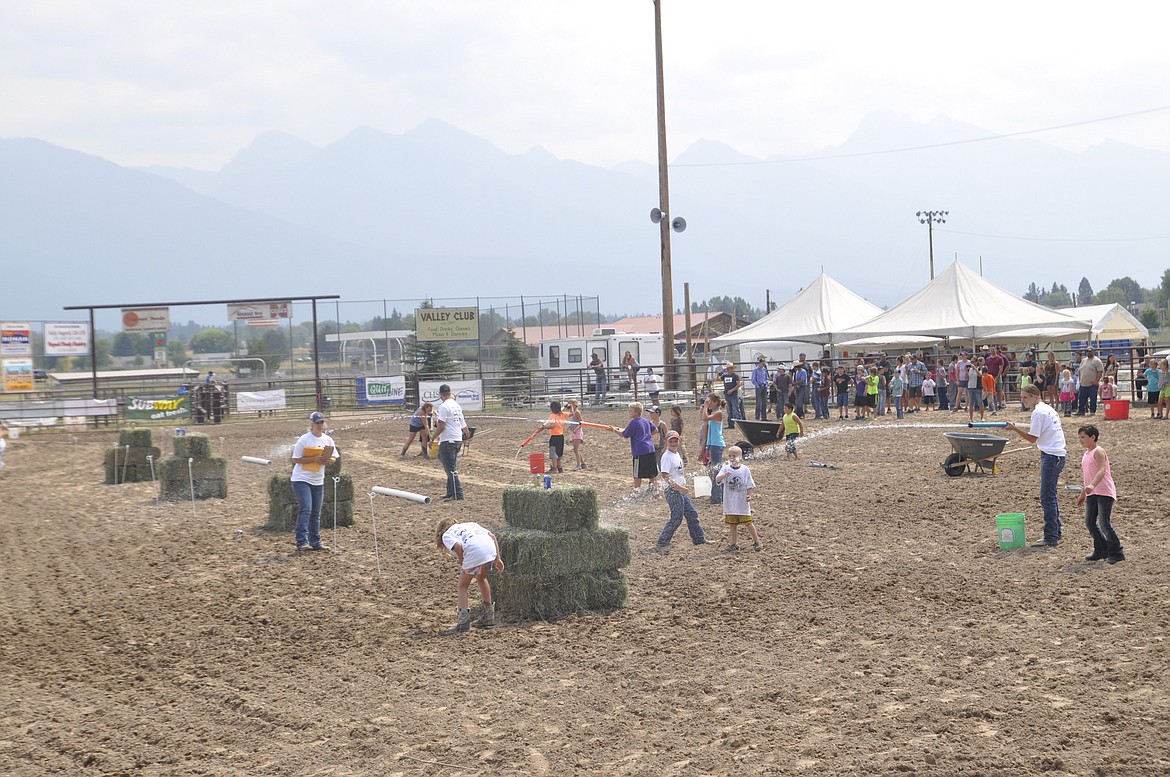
18, 375
146, 319
468, 393
158, 409
15, 339
66, 338
259, 311
432, 324
261, 400
382, 391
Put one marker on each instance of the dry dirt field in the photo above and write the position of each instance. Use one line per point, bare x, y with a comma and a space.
881, 630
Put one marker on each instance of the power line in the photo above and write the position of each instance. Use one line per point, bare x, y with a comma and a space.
924, 147
1060, 239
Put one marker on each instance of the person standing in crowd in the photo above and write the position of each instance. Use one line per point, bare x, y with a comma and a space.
652, 385
929, 387
313, 451
677, 497
821, 389
897, 388
1046, 433
800, 385
963, 366
1153, 387
761, 382
782, 384
841, 386
1089, 378
942, 385
600, 379
1051, 373
731, 386
915, 374
1098, 495
450, 430
996, 365
974, 392
419, 425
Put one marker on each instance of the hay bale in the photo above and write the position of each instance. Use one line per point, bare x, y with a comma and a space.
283, 507
540, 598
538, 553
209, 477
558, 509
130, 465
135, 438
194, 446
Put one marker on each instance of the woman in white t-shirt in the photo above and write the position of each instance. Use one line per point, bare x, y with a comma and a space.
311, 454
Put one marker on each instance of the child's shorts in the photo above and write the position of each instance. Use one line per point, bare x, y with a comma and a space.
737, 520
1152, 397
556, 446
1165, 392
646, 465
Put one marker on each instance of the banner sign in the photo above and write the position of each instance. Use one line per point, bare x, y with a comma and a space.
66, 338
468, 393
259, 311
15, 340
158, 409
18, 375
446, 324
261, 400
382, 391
146, 319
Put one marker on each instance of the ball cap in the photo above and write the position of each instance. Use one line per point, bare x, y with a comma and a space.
673, 435
316, 417
656, 409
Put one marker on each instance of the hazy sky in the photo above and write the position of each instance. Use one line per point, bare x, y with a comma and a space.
189, 84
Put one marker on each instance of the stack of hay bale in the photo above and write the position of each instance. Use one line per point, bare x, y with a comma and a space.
129, 462
557, 560
207, 473
283, 507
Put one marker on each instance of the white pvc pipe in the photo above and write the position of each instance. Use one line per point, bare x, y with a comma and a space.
426, 500
255, 460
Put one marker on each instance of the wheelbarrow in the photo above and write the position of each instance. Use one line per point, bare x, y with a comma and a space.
761, 432
975, 453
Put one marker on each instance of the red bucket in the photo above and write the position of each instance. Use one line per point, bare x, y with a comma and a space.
536, 464
1116, 409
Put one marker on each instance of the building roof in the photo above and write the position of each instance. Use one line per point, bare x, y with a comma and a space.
717, 323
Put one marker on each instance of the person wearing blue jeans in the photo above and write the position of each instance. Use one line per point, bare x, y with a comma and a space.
681, 507
312, 452
762, 381
731, 386
450, 430
600, 379
1047, 434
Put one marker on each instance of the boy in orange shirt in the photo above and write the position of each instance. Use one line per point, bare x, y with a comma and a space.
556, 436
989, 396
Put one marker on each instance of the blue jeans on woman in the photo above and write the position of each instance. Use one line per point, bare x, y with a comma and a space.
681, 507
1050, 469
1098, 512
309, 498
715, 456
449, 458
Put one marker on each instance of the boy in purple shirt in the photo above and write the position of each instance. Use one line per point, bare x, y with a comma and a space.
640, 432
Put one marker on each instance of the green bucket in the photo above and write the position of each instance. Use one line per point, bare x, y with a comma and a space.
1010, 528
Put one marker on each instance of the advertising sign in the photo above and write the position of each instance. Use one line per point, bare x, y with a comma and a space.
66, 338
18, 375
382, 391
15, 340
468, 393
261, 400
158, 409
446, 324
146, 319
259, 311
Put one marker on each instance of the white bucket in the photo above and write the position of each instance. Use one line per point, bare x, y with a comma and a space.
14, 432
702, 485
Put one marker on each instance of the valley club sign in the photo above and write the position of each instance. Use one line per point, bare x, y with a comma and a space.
432, 324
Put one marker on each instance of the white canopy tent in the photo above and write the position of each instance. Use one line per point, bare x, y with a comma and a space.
960, 304
1109, 322
814, 315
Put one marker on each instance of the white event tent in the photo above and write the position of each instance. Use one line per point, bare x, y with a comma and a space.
960, 304
1109, 322
814, 315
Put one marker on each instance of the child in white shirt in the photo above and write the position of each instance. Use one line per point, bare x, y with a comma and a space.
477, 551
737, 497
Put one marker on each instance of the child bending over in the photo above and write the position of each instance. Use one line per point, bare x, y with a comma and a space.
477, 551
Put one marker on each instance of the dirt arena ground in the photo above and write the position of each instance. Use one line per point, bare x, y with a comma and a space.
881, 630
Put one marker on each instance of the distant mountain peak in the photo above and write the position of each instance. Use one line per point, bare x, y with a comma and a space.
270, 152
708, 152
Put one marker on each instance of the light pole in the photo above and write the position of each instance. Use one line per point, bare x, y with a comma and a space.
929, 218
660, 214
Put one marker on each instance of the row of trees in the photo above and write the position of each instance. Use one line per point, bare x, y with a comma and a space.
1122, 291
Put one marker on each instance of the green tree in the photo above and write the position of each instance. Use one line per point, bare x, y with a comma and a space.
1122, 290
1033, 293
514, 366
176, 352
132, 344
213, 341
1084, 292
1149, 318
268, 346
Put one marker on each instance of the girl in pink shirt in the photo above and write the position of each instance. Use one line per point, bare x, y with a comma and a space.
1098, 496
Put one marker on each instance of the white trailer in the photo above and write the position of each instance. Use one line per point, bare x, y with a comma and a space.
565, 360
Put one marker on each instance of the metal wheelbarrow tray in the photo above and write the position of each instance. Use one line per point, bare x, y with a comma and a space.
760, 432
974, 452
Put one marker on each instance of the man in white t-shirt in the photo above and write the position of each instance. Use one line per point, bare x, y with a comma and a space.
674, 478
1047, 434
450, 431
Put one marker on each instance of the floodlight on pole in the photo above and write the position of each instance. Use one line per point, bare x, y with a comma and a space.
930, 218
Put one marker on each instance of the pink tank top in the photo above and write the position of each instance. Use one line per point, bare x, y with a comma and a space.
1089, 468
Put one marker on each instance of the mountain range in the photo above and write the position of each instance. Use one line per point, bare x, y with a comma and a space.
440, 212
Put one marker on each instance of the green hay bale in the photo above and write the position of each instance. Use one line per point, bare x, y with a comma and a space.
135, 438
523, 597
539, 553
283, 507
209, 477
130, 465
558, 509
194, 446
